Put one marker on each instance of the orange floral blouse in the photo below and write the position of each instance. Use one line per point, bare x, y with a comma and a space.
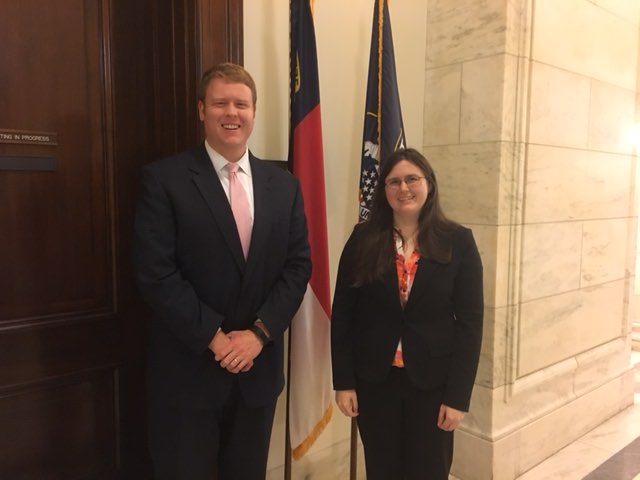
406, 269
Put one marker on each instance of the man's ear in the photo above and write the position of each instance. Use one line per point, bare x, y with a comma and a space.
201, 110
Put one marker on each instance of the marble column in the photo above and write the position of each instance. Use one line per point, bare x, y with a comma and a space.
528, 109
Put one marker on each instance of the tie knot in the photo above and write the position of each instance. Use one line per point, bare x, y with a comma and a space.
233, 167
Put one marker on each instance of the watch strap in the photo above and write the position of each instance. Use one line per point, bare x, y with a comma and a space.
262, 336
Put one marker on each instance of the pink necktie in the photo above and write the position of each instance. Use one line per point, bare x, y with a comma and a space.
240, 207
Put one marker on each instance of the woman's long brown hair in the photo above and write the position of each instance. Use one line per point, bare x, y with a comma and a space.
375, 252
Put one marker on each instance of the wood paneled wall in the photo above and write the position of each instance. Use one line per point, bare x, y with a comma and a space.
115, 82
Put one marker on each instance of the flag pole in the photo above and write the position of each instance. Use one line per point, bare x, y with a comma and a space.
353, 467
287, 434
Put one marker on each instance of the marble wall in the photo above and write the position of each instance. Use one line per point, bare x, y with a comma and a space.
529, 107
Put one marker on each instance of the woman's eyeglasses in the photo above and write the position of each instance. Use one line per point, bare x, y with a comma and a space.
395, 182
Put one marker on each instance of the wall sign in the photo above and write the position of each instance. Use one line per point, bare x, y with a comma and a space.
26, 137
27, 162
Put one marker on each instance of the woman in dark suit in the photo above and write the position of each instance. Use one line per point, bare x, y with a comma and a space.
406, 325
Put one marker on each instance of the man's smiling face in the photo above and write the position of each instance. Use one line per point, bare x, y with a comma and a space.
228, 113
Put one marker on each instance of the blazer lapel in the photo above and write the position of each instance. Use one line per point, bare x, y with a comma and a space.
207, 182
390, 281
426, 269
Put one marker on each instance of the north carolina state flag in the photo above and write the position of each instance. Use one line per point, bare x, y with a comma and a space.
310, 390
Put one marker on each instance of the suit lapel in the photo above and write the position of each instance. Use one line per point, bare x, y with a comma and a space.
390, 281
426, 269
208, 183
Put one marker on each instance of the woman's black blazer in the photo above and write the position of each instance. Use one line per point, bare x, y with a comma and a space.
440, 326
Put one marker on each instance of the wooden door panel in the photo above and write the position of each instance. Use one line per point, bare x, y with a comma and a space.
63, 429
56, 226
35, 354
58, 331
59, 368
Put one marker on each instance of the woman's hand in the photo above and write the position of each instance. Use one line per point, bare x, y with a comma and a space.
449, 418
347, 401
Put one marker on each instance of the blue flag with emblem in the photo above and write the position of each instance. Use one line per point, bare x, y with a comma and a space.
383, 128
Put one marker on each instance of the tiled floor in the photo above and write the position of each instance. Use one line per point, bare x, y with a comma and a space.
609, 452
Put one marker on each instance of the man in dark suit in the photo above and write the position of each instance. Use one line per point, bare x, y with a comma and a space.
216, 341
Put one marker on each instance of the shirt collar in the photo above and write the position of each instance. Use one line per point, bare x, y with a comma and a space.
219, 162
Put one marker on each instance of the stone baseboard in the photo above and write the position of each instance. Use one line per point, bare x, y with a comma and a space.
476, 458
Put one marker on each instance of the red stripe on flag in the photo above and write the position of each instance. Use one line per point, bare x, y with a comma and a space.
309, 168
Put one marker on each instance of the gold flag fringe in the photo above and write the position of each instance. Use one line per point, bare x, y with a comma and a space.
299, 451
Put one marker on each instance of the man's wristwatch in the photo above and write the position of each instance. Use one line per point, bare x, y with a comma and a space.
260, 334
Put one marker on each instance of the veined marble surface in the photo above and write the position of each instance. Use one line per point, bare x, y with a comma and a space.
587, 453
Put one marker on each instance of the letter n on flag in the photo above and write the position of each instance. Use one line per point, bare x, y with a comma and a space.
383, 128
310, 390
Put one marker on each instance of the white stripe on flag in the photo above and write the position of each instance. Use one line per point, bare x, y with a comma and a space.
310, 374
